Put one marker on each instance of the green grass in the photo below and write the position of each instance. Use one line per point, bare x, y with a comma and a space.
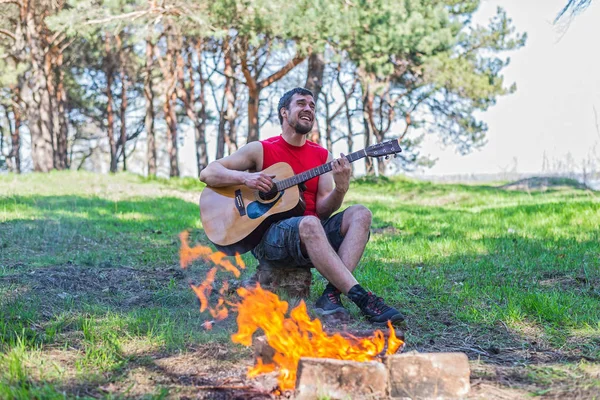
91, 292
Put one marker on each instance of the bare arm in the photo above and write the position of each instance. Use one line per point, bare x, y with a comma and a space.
233, 169
333, 187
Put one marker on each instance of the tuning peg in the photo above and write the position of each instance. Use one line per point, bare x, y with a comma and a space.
395, 155
387, 157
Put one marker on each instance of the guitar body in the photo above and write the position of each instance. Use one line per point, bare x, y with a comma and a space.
235, 218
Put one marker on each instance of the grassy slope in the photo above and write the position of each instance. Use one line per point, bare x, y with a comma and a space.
91, 291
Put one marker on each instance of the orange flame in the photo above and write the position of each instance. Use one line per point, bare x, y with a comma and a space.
188, 254
290, 337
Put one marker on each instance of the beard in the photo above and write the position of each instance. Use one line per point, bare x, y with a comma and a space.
302, 127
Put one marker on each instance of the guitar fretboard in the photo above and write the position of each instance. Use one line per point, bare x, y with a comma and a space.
320, 170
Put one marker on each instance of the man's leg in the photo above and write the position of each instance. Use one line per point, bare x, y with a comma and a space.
356, 224
355, 227
323, 256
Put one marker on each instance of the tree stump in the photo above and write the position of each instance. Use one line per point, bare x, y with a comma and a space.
294, 281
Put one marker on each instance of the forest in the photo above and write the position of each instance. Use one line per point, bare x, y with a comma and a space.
109, 86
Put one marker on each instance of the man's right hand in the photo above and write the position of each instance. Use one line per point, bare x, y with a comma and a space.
259, 181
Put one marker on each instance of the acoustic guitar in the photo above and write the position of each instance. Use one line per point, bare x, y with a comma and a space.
235, 218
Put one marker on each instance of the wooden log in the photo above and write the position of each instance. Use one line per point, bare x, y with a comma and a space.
293, 281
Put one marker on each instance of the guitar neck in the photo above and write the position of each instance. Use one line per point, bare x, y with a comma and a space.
320, 170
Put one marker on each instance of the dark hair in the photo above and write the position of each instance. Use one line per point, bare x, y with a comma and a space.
286, 99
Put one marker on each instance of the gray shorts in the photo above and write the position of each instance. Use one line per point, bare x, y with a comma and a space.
280, 246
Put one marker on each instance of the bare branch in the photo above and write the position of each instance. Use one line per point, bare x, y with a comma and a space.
250, 82
265, 57
574, 6
8, 33
282, 72
214, 96
408, 124
134, 14
230, 76
85, 157
64, 47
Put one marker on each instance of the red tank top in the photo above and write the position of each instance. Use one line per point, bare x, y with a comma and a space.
301, 159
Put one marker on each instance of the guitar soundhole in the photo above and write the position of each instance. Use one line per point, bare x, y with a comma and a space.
270, 195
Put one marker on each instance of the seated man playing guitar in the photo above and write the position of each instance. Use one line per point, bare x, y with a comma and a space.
332, 244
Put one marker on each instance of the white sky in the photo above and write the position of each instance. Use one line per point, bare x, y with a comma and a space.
558, 83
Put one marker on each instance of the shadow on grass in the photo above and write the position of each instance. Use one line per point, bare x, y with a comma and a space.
467, 283
55, 230
75, 264
66, 254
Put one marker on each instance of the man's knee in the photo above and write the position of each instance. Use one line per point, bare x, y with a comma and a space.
363, 215
310, 228
360, 215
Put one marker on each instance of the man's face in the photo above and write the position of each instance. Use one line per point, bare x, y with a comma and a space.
301, 115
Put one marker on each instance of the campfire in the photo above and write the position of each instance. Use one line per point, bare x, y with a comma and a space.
292, 335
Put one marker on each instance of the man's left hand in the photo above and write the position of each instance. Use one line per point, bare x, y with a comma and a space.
341, 173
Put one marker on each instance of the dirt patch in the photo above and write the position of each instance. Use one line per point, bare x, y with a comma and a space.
552, 381
385, 230
205, 373
120, 286
78, 279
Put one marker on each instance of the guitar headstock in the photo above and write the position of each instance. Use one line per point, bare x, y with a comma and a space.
384, 148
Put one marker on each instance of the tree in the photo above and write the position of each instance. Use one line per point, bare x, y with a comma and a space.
40, 50
314, 83
149, 97
123, 23
573, 8
11, 105
425, 63
271, 38
98, 73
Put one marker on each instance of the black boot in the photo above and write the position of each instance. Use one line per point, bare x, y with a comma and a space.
330, 302
374, 308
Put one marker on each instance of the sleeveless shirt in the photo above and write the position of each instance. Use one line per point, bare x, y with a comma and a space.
300, 158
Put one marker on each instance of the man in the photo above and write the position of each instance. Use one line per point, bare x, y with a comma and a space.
332, 244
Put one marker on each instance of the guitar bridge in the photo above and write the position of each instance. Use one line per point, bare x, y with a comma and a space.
239, 203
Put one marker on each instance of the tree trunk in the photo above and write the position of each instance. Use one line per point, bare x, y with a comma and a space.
230, 95
110, 118
40, 112
15, 139
149, 121
348, 113
221, 134
14, 156
253, 124
187, 94
255, 87
61, 101
369, 169
314, 83
381, 165
49, 72
231, 138
378, 131
350, 137
171, 121
328, 119
123, 110
366, 99
169, 108
201, 153
328, 139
